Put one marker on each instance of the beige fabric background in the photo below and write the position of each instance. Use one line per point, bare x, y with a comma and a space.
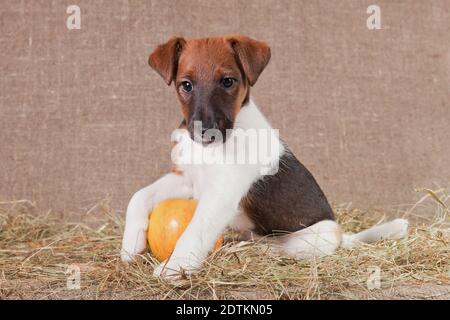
83, 117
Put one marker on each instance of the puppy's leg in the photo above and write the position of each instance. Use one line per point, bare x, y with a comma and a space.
324, 237
136, 222
320, 239
210, 219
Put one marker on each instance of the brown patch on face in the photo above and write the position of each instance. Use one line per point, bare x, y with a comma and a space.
253, 56
205, 63
212, 76
165, 58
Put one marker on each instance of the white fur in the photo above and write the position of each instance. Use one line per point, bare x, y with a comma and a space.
324, 237
136, 223
219, 188
394, 229
320, 239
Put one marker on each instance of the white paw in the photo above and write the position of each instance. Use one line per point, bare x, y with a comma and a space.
127, 257
134, 242
175, 269
166, 272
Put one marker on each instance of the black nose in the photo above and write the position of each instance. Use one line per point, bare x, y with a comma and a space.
210, 125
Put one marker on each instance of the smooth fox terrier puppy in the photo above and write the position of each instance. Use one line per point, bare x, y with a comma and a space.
212, 78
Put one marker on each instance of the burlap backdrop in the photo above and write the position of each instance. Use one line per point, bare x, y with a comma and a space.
84, 117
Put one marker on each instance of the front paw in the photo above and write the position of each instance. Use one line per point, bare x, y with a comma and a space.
134, 242
125, 256
176, 268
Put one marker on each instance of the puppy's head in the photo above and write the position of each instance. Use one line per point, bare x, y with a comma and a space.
212, 77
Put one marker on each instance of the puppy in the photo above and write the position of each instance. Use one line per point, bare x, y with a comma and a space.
275, 197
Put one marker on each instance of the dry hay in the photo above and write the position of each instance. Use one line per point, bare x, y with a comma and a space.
36, 248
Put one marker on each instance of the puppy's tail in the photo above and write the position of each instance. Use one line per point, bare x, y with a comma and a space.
394, 229
324, 237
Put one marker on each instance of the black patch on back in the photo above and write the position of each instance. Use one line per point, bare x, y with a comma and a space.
288, 201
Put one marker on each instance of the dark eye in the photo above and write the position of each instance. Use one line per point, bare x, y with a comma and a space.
186, 86
227, 82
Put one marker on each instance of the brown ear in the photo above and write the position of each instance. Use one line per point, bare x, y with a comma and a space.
252, 55
164, 59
